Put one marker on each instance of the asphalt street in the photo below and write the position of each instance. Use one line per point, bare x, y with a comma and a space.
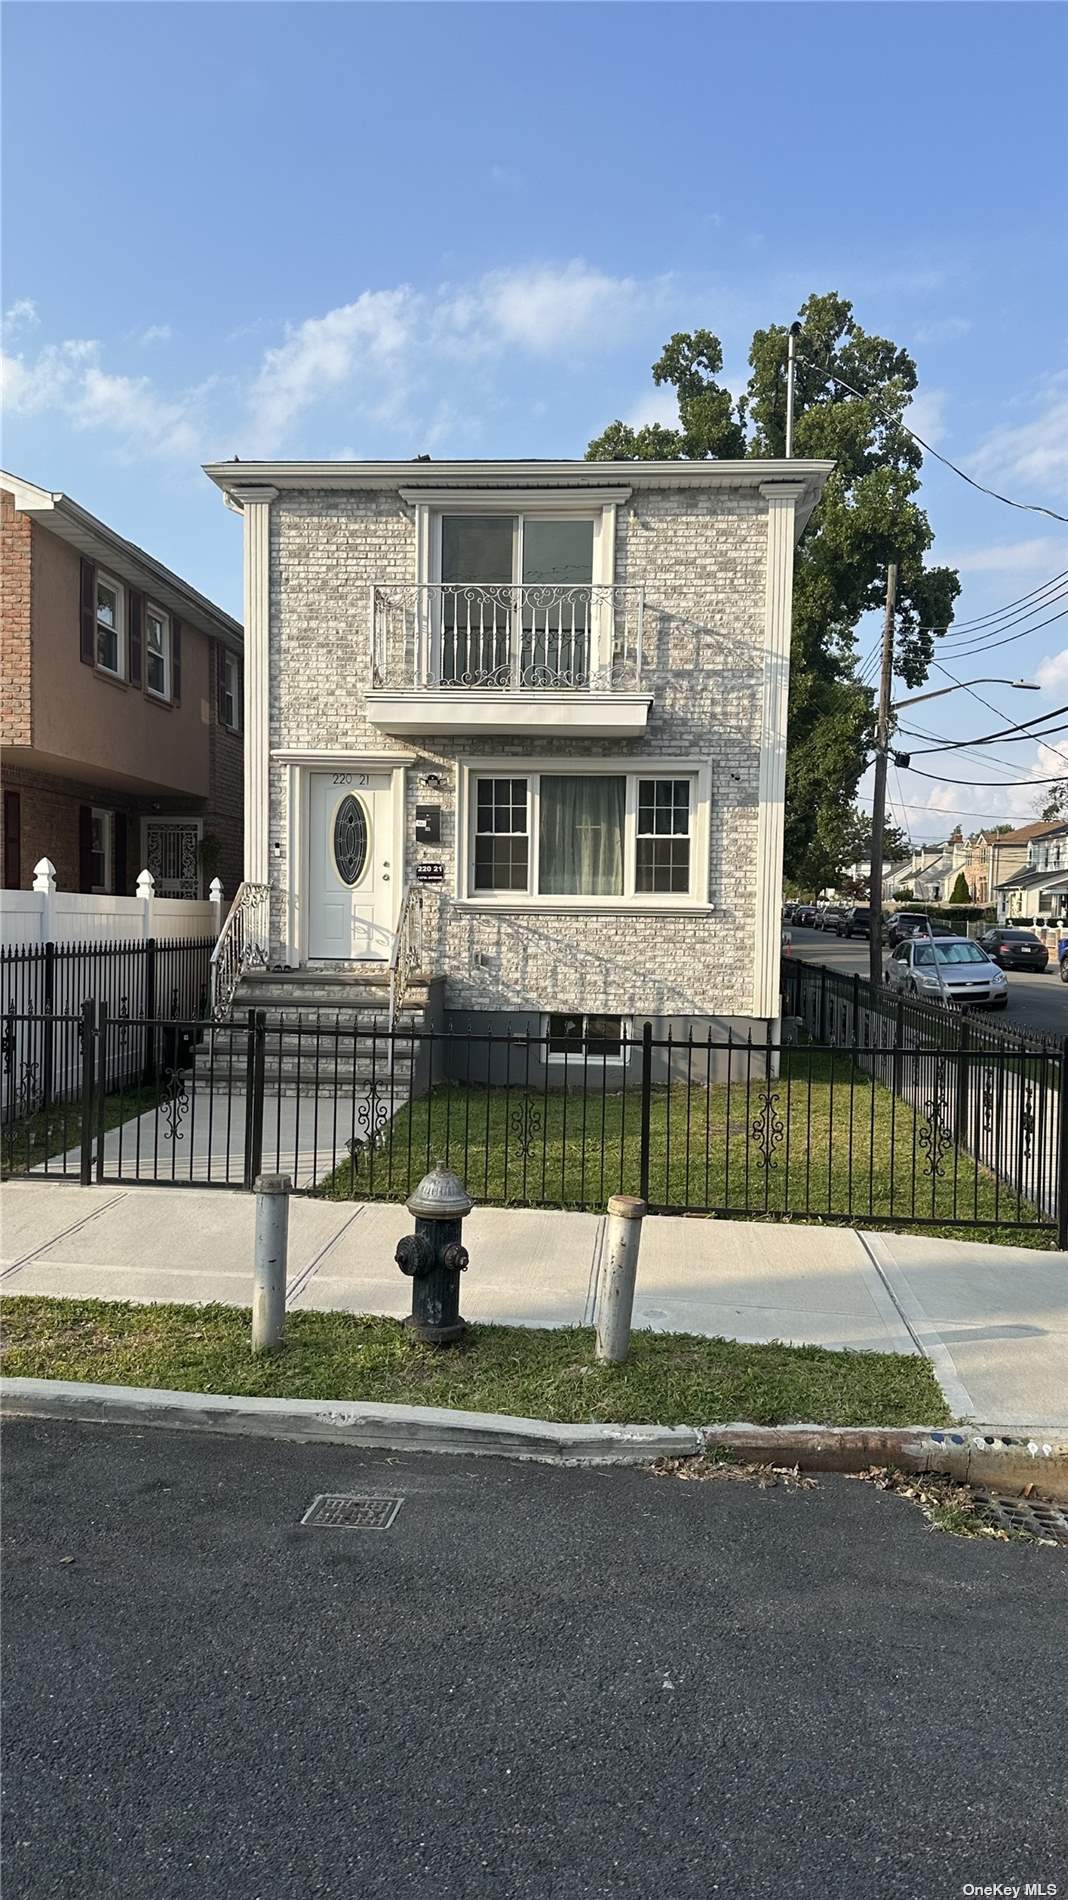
1036, 1001
539, 1683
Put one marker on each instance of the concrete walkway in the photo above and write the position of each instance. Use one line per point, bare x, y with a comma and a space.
992, 1320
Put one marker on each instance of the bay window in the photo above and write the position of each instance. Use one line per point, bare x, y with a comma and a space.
585, 836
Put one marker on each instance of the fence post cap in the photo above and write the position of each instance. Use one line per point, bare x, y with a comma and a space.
44, 875
146, 883
273, 1184
626, 1206
215, 890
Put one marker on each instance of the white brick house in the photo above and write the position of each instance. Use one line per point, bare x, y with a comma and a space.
550, 697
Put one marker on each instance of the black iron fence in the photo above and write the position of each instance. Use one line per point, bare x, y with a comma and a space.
865, 1127
44, 988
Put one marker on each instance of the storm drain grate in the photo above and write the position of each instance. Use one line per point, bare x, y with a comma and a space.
1039, 1517
333, 1512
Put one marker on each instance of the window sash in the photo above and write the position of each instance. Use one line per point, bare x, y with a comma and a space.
157, 654
571, 1036
232, 693
108, 626
675, 855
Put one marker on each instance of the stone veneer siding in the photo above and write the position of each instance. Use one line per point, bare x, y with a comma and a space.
701, 556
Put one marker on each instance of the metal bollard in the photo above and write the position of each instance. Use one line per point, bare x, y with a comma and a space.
272, 1246
434, 1257
619, 1270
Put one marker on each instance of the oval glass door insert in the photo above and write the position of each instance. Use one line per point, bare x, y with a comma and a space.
350, 840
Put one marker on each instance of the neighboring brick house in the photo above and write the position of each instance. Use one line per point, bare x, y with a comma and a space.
549, 695
121, 710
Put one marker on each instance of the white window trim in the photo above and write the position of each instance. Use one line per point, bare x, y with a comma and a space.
580, 1058
631, 901
101, 811
117, 672
157, 613
231, 664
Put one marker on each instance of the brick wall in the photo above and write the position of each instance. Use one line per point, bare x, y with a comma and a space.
16, 541
701, 555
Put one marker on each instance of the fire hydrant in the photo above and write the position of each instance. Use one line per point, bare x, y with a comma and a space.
435, 1256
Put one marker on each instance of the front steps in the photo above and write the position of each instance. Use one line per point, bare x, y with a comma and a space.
327, 1033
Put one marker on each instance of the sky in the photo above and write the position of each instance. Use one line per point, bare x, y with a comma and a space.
348, 230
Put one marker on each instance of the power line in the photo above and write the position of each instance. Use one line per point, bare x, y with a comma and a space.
984, 785
988, 738
941, 811
987, 646
966, 751
1028, 507
969, 630
1029, 603
989, 704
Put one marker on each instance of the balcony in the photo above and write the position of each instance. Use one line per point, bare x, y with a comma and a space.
473, 657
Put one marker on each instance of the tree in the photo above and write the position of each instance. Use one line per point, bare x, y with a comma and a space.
1055, 805
960, 894
867, 516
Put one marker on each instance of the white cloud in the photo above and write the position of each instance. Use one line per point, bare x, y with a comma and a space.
1037, 555
926, 414
545, 306
68, 378
50, 380
1034, 452
22, 315
323, 354
658, 405
1052, 672
943, 330
156, 333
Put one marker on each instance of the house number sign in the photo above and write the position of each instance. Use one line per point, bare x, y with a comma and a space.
430, 873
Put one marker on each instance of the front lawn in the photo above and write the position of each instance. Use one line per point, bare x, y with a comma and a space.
825, 1143
670, 1379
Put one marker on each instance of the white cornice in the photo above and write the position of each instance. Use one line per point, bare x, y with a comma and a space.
513, 497
746, 473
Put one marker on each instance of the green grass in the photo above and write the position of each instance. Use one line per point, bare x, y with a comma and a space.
829, 1156
50, 1133
670, 1378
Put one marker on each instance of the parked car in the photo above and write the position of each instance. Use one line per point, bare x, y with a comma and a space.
854, 923
905, 923
950, 970
830, 916
1015, 949
805, 915
1062, 958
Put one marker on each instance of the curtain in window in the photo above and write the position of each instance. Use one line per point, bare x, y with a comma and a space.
581, 836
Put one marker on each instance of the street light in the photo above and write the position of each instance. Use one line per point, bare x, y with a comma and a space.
1020, 686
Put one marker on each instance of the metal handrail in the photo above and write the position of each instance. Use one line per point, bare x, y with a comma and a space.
406, 955
513, 637
244, 943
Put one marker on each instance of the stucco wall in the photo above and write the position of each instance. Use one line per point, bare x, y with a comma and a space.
701, 556
81, 715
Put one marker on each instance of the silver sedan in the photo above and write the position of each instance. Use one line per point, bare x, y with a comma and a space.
948, 970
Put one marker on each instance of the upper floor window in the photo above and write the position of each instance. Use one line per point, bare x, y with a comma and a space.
516, 599
231, 692
110, 627
157, 653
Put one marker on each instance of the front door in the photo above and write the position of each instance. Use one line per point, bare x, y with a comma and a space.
351, 879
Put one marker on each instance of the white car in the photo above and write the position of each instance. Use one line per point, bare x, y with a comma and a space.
947, 969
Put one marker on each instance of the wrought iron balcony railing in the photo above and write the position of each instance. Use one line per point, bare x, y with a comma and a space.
527, 638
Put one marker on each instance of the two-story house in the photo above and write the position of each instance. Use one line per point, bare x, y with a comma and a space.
1039, 886
121, 711
546, 701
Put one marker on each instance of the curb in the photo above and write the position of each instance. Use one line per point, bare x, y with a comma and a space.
348, 1422
984, 1455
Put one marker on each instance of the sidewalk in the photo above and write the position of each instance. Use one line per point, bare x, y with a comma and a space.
992, 1320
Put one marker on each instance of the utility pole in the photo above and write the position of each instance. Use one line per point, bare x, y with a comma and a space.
791, 373
878, 816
